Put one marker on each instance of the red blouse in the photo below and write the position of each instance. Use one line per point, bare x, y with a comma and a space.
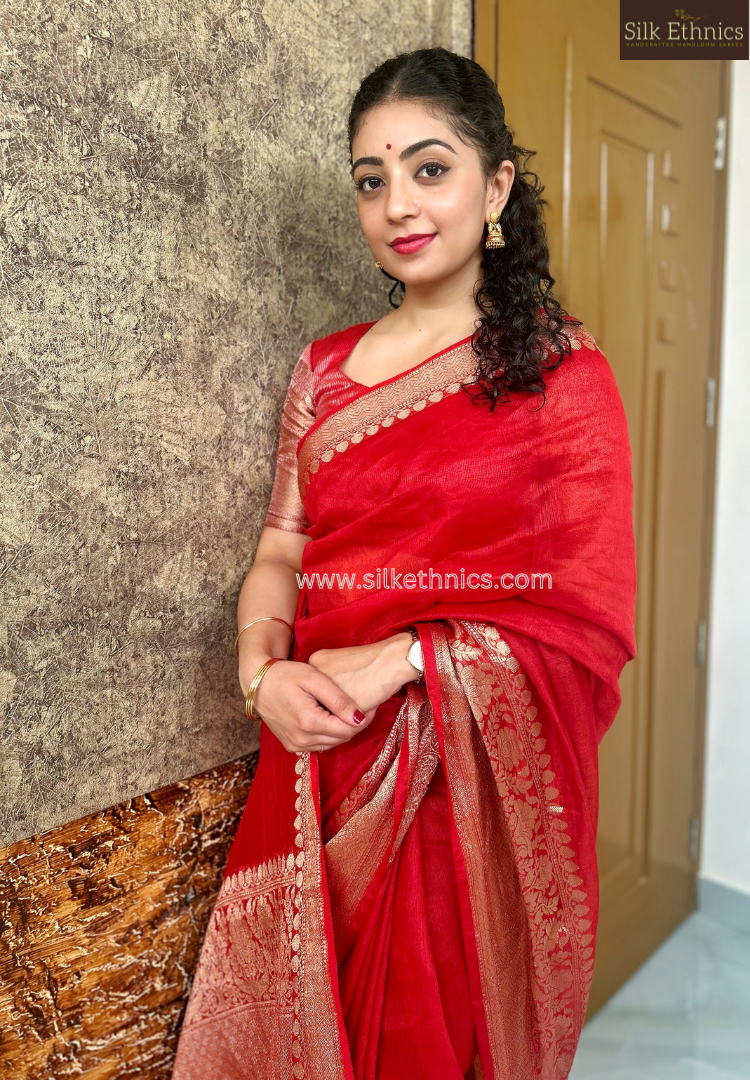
311, 394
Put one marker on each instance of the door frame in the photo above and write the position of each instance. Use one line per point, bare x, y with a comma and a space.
716, 308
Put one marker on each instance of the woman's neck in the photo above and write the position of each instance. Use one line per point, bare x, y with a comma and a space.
436, 308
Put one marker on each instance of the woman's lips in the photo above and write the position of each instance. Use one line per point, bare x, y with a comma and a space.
406, 247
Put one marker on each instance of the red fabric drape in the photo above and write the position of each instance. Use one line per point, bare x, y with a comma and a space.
429, 890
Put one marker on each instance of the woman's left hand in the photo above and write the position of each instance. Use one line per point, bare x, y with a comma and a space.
369, 674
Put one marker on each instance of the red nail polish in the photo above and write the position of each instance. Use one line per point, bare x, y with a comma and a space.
358, 717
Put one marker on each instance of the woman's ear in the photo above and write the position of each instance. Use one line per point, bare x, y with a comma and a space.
498, 189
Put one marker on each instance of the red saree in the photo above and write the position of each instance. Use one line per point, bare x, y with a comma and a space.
423, 901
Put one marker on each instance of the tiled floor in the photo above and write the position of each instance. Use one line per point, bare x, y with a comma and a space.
684, 1016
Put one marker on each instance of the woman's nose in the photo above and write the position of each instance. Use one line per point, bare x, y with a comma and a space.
400, 202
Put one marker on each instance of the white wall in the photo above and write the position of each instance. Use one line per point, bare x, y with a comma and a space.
726, 822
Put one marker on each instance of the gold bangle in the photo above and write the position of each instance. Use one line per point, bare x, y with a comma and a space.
265, 618
251, 690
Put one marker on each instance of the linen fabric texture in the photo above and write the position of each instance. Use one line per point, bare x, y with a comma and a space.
422, 901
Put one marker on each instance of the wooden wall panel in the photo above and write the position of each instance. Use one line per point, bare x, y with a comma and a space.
101, 923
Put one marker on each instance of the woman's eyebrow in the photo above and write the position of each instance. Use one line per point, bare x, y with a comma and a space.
413, 149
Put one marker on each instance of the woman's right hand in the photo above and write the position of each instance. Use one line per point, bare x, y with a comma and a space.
304, 708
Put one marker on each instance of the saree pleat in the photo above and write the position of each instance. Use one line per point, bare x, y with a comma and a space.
425, 896
428, 1013
397, 922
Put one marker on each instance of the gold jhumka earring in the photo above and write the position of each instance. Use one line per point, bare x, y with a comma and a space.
495, 238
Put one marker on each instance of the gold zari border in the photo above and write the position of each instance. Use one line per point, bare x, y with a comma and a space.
382, 406
366, 834
262, 1005
533, 1026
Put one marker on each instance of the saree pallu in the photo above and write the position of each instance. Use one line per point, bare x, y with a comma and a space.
428, 893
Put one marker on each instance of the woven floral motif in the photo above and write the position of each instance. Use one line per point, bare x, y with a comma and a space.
559, 920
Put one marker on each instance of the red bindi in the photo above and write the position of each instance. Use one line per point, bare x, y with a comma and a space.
388, 146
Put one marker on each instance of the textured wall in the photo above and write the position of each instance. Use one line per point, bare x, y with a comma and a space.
177, 221
101, 922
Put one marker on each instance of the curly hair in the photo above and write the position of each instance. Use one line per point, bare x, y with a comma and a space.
521, 331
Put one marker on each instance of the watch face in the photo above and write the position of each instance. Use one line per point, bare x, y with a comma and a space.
415, 656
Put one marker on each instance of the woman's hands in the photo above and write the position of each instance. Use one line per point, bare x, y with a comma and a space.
326, 701
318, 704
369, 673
303, 707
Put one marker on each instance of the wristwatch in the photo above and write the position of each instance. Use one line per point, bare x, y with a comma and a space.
415, 655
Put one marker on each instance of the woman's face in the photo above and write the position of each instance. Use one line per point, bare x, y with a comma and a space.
422, 198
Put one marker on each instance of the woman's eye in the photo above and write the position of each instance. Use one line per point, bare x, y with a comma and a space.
431, 166
362, 184
432, 169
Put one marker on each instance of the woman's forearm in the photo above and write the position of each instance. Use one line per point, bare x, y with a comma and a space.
369, 673
270, 588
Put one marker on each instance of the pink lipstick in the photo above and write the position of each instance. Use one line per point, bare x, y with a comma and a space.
406, 245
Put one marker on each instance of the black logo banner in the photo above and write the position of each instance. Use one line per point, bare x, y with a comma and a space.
657, 31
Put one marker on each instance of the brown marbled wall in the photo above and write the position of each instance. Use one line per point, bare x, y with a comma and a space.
176, 223
101, 923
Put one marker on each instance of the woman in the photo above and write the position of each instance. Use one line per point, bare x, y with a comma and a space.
412, 891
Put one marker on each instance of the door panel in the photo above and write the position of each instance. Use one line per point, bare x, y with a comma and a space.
625, 150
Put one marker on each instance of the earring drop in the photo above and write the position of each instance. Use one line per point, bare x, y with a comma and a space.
495, 238
379, 265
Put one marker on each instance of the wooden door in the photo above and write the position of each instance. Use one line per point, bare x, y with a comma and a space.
626, 150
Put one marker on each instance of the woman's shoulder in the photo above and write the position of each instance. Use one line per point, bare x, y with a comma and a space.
337, 345
582, 349
578, 335
583, 384
321, 353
